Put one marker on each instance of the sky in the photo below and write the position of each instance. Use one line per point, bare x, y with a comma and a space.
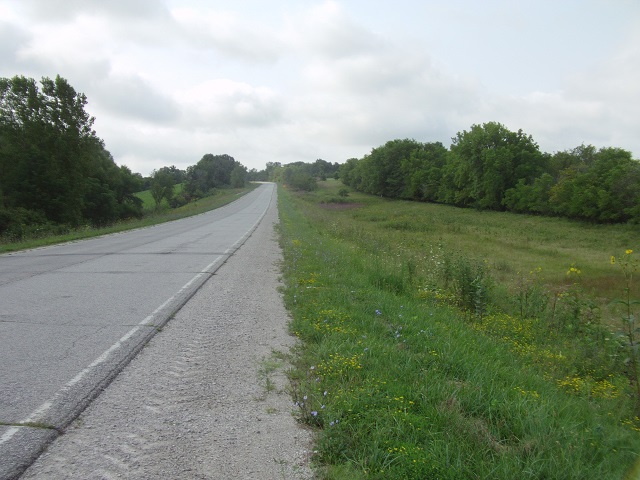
169, 81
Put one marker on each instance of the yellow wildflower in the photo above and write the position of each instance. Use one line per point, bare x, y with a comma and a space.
573, 271
613, 260
628, 251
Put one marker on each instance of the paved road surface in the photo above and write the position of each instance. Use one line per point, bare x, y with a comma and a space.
195, 402
72, 316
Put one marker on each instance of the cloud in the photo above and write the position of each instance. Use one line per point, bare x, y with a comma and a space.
358, 89
65, 10
286, 81
133, 97
228, 33
224, 105
327, 31
12, 40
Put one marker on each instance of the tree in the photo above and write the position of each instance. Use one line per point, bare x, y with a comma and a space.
161, 187
212, 171
488, 160
422, 171
238, 176
52, 164
598, 185
297, 175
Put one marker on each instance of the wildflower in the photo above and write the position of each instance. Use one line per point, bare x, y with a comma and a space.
573, 271
314, 413
378, 312
613, 260
628, 251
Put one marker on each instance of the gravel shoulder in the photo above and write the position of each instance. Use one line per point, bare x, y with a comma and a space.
206, 397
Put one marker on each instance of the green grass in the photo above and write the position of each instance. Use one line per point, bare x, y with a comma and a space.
151, 217
400, 382
149, 204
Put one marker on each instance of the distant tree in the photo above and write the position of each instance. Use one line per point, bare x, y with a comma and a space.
175, 173
272, 169
348, 173
238, 176
297, 176
212, 171
162, 187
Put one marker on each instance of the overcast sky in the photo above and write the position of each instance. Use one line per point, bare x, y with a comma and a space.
296, 80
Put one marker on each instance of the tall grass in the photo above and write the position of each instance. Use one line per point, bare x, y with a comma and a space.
410, 367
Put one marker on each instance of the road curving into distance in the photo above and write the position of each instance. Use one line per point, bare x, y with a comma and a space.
73, 315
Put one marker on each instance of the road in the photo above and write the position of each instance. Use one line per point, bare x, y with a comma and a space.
72, 316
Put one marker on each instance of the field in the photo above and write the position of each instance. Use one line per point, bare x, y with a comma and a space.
446, 343
149, 203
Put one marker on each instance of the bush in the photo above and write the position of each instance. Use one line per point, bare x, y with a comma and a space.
19, 223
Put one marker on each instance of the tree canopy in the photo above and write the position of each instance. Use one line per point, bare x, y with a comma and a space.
213, 171
53, 167
491, 167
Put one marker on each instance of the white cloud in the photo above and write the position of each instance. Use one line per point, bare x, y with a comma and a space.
133, 97
169, 81
228, 33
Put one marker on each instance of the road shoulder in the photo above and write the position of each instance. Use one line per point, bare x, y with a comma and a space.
206, 398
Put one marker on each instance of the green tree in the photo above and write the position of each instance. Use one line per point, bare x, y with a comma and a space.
297, 176
51, 161
212, 171
490, 159
238, 176
162, 187
422, 171
598, 185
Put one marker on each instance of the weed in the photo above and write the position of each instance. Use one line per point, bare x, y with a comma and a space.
629, 265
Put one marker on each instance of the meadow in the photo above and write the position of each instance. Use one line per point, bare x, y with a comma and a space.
446, 343
149, 204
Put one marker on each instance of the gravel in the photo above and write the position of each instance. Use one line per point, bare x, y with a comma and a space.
207, 397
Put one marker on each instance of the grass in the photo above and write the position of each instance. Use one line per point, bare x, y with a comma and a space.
151, 217
403, 378
149, 204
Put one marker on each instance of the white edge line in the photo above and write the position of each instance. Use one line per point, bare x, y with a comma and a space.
42, 409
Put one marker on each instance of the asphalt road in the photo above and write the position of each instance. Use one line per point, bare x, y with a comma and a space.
72, 316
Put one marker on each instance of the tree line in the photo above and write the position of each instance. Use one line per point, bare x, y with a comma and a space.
56, 174
301, 175
199, 180
54, 170
491, 167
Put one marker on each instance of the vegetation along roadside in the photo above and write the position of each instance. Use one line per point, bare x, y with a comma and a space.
439, 342
152, 216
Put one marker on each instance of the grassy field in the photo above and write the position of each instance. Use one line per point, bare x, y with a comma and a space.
452, 344
149, 204
151, 217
